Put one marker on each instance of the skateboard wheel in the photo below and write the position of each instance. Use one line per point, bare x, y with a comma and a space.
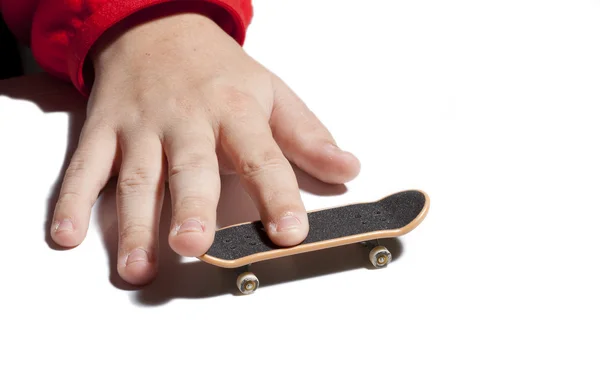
247, 283
380, 256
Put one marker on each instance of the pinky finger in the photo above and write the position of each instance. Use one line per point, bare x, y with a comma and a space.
88, 172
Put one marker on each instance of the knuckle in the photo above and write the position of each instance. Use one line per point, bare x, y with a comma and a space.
67, 197
138, 181
129, 231
182, 107
78, 172
100, 122
76, 169
235, 100
173, 106
314, 128
177, 169
192, 202
269, 160
194, 162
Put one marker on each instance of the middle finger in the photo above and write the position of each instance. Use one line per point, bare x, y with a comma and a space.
140, 193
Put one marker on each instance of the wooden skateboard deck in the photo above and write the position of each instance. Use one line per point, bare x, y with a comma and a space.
395, 215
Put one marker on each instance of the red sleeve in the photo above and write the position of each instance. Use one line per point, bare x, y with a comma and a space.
61, 32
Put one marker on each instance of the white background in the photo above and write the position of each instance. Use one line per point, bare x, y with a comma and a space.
491, 107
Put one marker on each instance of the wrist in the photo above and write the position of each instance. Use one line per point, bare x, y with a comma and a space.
146, 33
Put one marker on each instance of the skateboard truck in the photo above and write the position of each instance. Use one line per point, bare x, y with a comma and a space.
379, 256
247, 282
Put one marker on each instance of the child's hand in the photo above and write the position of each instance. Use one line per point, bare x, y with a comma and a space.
170, 96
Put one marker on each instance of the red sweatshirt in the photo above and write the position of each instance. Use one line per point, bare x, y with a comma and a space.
61, 32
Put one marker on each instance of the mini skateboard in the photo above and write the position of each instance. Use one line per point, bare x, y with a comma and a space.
240, 245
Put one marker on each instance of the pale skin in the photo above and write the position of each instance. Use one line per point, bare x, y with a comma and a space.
178, 100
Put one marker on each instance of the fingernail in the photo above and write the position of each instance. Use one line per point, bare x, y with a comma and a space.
190, 225
334, 147
64, 225
288, 222
333, 150
137, 255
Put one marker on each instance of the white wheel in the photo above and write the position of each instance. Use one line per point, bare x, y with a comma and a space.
247, 283
380, 256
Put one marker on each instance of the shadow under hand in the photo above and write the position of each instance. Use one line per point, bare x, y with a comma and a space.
236, 206
311, 185
51, 95
182, 279
106, 217
320, 263
198, 280
176, 278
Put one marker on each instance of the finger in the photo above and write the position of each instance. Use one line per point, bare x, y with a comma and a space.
306, 142
194, 183
87, 173
140, 193
266, 175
